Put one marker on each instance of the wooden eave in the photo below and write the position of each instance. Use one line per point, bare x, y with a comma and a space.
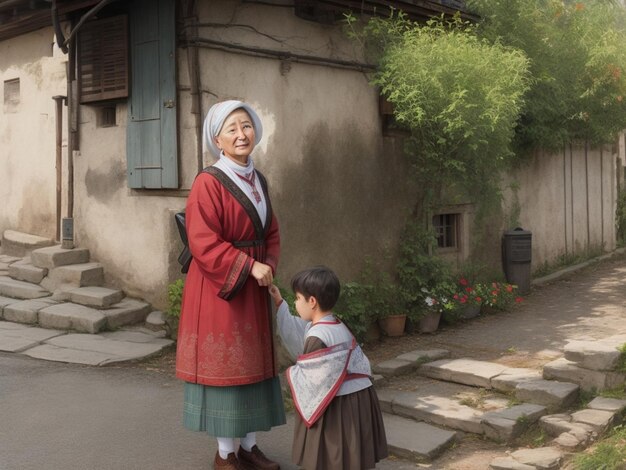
416, 9
27, 21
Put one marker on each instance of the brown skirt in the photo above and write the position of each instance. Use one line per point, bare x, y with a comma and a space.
350, 435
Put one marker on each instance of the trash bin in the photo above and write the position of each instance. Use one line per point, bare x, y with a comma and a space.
516, 258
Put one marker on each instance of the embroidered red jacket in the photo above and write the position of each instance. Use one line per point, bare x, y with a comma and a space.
225, 332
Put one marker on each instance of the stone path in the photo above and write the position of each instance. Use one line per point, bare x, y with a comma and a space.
58, 345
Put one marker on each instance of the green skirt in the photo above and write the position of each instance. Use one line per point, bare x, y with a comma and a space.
233, 411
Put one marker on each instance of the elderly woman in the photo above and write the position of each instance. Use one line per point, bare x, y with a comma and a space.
225, 349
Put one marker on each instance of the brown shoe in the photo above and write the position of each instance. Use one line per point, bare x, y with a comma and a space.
256, 459
231, 463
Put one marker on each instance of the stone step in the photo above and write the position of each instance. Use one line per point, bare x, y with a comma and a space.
545, 458
20, 289
97, 297
127, 312
554, 395
415, 440
99, 349
5, 301
155, 321
589, 380
600, 355
21, 244
501, 423
76, 275
55, 256
16, 338
5, 262
433, 409
26, 311
407, 362
23, 270
69, 316
463, 371
527, 384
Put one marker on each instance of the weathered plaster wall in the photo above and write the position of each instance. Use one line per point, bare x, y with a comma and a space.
334, 188
27, 133
337, 184
568, 201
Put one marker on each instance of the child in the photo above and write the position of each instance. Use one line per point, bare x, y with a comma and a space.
339, 424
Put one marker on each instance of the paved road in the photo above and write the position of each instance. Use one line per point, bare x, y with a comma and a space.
56, 416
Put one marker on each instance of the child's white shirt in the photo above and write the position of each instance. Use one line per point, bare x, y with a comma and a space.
294, 331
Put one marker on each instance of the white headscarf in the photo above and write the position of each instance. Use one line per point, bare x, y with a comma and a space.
215, 120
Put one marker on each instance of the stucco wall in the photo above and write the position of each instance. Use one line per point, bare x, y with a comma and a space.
338, 186
27, 133
567, 200
334, 189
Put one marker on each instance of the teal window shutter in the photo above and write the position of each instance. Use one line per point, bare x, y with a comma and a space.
151, 134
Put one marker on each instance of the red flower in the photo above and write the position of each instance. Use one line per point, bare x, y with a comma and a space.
494, 292
468, 289
463, 281
518, 299
463, 299
509, 288
455, 296
478, 299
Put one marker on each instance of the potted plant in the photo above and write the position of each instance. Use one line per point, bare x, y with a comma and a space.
469, 298
387, 300
436, 301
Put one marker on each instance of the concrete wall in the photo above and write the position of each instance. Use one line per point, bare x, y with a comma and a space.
567, 200
27, 133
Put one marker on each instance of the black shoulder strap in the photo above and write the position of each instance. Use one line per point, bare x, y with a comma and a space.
241, 197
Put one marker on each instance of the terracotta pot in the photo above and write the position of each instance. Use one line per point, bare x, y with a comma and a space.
393, 325
429, 322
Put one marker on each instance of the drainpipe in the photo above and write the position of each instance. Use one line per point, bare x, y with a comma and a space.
59, 101
67, 239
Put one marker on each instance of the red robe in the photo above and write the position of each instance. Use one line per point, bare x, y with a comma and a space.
225, 331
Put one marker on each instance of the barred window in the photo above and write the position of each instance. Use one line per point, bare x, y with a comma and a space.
446, 227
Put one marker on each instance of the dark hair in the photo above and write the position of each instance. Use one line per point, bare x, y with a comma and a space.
319, 282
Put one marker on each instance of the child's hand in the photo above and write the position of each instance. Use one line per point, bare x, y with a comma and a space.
275, 293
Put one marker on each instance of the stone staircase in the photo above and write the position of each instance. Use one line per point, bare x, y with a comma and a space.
431, 402
55, 291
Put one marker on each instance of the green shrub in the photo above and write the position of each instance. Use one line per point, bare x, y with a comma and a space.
174, 300
354, 308
609, 454
459, 96
577, 53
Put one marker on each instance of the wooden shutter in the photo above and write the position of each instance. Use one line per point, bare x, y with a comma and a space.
151, 132
103, 59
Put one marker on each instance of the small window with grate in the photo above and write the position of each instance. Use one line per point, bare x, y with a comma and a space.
103, 59
446, 227
106, 116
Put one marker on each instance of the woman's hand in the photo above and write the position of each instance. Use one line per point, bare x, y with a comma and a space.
262, 273
275, 293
